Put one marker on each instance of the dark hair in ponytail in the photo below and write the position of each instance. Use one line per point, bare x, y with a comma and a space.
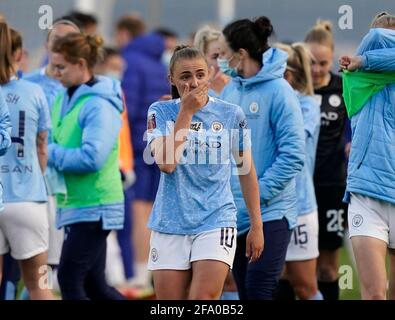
180, 53
249, 35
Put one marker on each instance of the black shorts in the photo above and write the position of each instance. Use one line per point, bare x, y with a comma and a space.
332, 216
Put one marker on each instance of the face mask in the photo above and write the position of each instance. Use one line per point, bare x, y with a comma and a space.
166, 57
114, 75
223, 65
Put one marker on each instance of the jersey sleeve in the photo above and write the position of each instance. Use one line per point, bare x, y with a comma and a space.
159, 123
241, 134
44, 120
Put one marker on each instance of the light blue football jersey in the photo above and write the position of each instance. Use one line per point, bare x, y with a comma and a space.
51, 87
197, 196
20, 170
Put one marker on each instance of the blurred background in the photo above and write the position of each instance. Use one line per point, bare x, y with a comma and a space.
291, 18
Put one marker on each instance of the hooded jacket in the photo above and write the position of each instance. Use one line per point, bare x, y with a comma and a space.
275, 119
371, 168
144, 82
100, 121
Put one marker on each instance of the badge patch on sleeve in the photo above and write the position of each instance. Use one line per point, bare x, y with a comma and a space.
151, 123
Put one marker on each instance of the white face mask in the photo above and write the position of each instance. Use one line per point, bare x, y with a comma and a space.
114, 75
224, 66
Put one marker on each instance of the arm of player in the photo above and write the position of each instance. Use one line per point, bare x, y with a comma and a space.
42, 149
378, 60
167, 150
250, 188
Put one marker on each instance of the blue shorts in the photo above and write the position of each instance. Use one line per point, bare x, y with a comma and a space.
147, 181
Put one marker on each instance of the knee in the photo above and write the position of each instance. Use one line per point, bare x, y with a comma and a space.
204, 295
305, 292
374, 293
375, 296
327, 273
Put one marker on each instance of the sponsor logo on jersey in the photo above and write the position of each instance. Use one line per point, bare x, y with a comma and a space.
217, 126
196, 126
151, 123
243, 124
335, 100
357, 220
328, 117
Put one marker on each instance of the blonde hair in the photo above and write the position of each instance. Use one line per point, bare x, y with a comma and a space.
75, 46
383, 20
298, 63
205, 35
321, 33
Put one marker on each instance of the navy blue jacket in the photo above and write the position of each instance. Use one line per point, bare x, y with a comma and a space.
144, 82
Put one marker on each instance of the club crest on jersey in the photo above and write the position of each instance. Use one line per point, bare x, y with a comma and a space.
151, 122
196, 126
335, 100
154, 255
254, 107
357, 220
217, 126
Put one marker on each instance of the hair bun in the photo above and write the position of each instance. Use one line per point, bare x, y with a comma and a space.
95, 40
325, 24
180, 47
263, 26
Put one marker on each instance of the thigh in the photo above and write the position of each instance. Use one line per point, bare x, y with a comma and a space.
302, 273
208, 278
35, 272
4, 247
370, 256
172, 284
332, 216
392, 274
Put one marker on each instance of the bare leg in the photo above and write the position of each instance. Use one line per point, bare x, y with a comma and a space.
302, 276
392, 274
34, 271
208, 278
370, 256
172, 284
327, 265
